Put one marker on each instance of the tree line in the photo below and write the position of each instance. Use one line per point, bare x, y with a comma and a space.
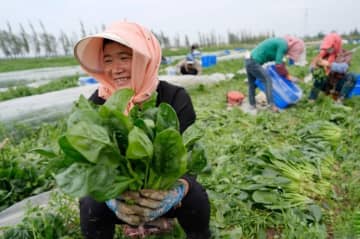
39, 42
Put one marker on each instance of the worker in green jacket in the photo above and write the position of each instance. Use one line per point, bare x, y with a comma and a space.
272, 49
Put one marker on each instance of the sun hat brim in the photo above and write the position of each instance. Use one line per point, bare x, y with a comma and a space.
89, 50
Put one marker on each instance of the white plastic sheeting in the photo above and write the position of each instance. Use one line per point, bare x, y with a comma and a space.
37, 108
42, 74
40, 107
14, 214
190, 80
231, 56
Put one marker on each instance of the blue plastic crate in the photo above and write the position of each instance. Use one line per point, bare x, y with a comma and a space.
205, 61
87, 80
284, 92
356, 90
227, 52
213, 60
208, 60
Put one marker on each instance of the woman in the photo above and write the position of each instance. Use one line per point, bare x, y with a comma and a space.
273, 49
126, 55
320, 66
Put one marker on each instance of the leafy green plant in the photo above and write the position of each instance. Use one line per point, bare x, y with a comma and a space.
321, 131
319, 73
22, 172
104, 152
356, 224
56, 220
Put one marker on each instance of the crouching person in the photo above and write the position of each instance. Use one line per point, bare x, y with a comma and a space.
190, 66
341, 81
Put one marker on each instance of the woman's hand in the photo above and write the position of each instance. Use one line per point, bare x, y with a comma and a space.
165, 199
136, 208
322, 62
128, 208
281, 69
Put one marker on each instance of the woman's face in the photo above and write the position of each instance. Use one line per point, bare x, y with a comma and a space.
117, 64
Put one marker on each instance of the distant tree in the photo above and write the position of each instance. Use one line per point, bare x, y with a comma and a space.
24, 38
17, 45
4, 43
206, 40
220, 39
53, 44
74, 38
82, 29
166, 40
187, 42
14, 42
355, 32
48, 41
202, 39
36, 41
177, 41
163, 40
213, 39
65, 43
233, 38
272, 34
320, 35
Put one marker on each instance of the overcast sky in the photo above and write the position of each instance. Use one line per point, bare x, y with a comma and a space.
189, 17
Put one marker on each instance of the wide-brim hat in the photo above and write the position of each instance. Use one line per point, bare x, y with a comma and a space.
89, 50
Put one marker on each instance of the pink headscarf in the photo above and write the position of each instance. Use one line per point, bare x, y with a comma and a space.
296, 47
145, 61
332, 40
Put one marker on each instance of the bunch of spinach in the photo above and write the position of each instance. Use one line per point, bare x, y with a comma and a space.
105, 152
321, 132
319, 73
283, 177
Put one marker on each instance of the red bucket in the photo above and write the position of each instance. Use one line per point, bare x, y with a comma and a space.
234, 97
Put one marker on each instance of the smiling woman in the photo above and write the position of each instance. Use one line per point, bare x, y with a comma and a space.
127, 55
117, 63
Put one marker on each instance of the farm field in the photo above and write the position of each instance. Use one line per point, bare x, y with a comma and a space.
294, 174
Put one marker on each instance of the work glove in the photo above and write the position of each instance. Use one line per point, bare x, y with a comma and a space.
136, 208
128, 208
281, 69
165, 200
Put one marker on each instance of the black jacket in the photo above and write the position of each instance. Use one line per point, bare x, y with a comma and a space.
175, 96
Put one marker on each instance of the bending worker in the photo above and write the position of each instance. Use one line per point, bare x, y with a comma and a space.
273, 49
